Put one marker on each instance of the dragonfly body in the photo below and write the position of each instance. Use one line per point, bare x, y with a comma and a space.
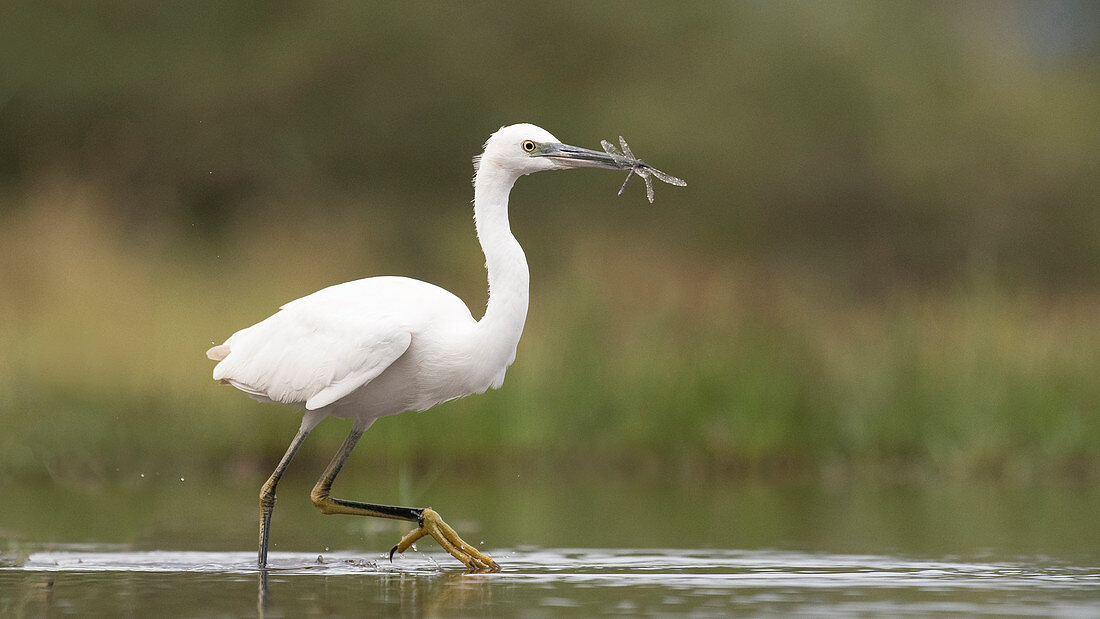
627, 159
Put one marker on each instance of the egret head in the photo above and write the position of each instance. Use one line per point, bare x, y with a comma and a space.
524, 148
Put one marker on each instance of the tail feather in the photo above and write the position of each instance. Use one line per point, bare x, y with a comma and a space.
217, 353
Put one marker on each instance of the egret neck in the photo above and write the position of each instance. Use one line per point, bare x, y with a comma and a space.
361, 348
509, 279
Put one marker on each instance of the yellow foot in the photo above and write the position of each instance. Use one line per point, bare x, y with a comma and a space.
432, 524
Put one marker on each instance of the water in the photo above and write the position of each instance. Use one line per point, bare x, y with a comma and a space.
543, 582
745, 549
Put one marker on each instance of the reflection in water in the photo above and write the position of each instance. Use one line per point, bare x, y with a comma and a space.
417, 592
589, 580
37, 593
917, 549
261, 595
435, 596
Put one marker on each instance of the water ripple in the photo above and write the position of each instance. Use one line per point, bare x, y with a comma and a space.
608, 567
548, 582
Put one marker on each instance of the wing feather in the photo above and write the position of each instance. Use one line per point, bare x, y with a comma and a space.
312, 354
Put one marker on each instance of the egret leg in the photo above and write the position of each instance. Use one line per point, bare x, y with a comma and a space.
428, 521
267, 492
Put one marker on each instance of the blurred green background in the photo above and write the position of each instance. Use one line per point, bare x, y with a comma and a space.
886, 262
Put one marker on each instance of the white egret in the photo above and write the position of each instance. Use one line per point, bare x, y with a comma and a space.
383, 345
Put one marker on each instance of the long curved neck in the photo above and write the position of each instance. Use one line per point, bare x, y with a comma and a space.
509, 279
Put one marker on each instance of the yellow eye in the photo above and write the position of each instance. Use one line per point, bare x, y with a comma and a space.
529, 146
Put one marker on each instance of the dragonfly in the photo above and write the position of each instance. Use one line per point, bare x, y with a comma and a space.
627, 159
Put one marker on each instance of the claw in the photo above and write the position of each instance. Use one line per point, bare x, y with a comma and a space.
432, 524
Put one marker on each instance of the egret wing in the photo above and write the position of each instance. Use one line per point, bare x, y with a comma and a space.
373, 359
311, 356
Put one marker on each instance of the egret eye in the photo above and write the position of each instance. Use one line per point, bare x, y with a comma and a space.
529, 146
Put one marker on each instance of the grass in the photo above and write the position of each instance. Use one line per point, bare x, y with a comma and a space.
637, 357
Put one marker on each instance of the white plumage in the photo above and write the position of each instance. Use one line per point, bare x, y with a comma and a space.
319, 349
382, 345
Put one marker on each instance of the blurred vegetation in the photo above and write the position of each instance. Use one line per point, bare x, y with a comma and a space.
887, 257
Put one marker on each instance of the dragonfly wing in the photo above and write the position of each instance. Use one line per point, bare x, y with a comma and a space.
647, 172
626, 149
668, 178
648, 185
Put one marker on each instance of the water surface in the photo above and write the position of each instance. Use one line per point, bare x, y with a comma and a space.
186, 548
542, 582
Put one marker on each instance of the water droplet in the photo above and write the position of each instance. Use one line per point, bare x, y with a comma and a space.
143, 475
181, 479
